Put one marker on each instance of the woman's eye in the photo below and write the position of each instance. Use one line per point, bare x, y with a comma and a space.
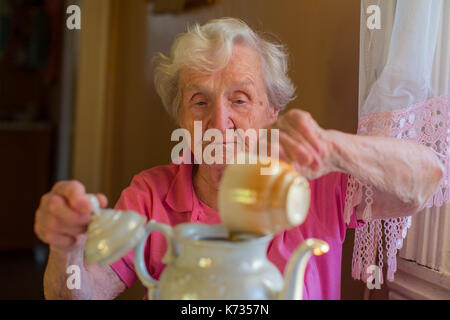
239, 101
201, 103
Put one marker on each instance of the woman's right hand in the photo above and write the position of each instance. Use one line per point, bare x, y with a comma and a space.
64, 214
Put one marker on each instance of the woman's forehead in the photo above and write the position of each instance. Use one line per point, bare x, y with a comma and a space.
233, 83
242, 68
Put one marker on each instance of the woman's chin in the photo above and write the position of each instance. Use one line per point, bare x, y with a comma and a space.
214, 167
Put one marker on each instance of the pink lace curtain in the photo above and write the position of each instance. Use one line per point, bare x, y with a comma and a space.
404, 93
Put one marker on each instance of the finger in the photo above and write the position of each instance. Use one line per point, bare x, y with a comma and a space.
60, 219
64, 214
304, 123
56, 227
295, 150
57, 187
44, 200
75, 194
292, 144
298, 136
38, 224
300, 169
59, 240
102, 199
281, 154
276, 147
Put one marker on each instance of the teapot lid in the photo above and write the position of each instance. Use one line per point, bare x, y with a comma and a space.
111, 234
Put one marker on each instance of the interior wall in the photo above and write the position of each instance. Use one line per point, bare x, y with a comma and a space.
322, 37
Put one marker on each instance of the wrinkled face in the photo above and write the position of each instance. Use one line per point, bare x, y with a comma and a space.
232, 98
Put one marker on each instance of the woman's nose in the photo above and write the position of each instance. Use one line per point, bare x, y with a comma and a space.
220, 117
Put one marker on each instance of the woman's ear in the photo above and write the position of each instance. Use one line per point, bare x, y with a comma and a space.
179, 118
274, 112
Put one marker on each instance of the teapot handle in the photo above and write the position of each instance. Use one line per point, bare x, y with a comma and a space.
140, 266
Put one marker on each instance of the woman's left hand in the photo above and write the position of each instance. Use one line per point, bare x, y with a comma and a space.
305, 145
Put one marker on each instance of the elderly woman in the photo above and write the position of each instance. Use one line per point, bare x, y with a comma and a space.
228, 77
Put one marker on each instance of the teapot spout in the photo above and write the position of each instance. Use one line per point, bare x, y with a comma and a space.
295, 270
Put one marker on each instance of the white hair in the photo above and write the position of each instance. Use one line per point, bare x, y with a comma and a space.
208, 48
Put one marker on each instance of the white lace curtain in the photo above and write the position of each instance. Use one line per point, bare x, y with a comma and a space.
403, 93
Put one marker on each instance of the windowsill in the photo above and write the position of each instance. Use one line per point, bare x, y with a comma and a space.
416, 282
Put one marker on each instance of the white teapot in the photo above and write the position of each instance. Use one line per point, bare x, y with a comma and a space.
202, 263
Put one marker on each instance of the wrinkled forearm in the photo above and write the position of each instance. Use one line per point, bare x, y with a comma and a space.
96, 282
404, 174
55, 277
